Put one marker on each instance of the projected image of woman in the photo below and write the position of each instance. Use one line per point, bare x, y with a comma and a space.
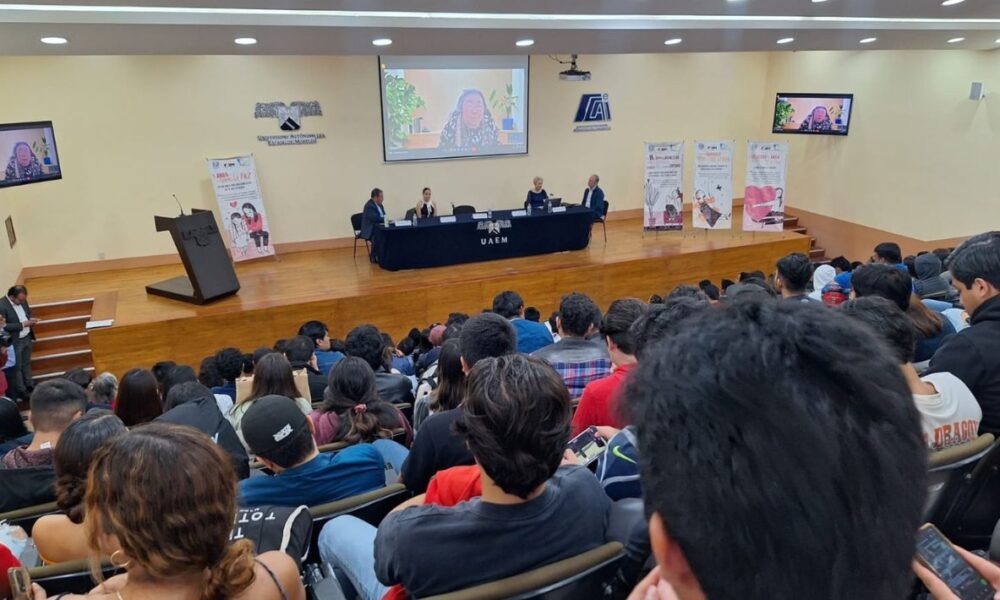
818, 120
23, 163
470, 126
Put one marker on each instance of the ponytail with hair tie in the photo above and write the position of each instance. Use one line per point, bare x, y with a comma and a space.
360, 409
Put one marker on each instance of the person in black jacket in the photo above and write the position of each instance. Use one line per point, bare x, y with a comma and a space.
366, 343
193, 404
301, 353
16, 313
973, 354
372, 214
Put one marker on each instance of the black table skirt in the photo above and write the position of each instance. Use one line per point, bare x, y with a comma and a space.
434, 244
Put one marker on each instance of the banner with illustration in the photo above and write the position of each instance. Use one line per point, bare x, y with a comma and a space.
241, 206
664, 196
764, 197
712, 206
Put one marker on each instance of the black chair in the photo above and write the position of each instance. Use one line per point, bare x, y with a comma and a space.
463, 209
71, 577
590, 575
947, 473
968, 510
410, 213
370, 507
26, 517
602, 219
356, 225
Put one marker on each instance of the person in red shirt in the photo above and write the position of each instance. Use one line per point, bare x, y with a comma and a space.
599, 403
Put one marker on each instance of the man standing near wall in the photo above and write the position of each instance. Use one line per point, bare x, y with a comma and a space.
19, 324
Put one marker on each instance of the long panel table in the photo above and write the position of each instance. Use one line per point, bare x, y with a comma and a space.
503, 234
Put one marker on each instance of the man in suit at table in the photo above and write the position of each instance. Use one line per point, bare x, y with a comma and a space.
593, 196
372, 214
18, 323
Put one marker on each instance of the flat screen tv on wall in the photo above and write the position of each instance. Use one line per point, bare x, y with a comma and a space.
813, 114
28, 153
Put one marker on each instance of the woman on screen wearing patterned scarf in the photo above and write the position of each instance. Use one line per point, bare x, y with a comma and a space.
818, 120
470, 126
23, 164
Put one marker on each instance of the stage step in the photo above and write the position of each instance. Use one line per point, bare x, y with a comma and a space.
799, 230
817, 254
65, 308
791, 222
49, 362
62, 325
52, 375
62, 343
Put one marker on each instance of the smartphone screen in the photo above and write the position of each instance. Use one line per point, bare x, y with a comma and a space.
936, 552
588, 446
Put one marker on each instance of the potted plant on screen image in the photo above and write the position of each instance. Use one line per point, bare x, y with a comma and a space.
42, 149
401, 102
782, 113
504, 102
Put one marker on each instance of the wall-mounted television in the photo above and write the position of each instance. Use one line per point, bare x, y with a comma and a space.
813, 114
28, 153
437, 107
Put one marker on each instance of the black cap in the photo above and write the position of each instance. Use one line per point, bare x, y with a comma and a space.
272, 422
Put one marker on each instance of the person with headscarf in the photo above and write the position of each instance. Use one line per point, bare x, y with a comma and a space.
818, 120
822, 276
470, 126
929, 283
23, 164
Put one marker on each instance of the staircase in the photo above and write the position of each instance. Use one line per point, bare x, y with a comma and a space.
61, 339
816, 255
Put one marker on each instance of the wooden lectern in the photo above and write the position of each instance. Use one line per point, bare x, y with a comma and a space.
210, 273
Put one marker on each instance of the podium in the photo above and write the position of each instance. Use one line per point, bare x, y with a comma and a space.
210, 273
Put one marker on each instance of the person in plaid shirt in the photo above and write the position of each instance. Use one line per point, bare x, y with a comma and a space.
577, 360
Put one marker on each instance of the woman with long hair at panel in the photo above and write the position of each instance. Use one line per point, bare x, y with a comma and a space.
138, 399
159, 503
352, 410
61, 537
271, 375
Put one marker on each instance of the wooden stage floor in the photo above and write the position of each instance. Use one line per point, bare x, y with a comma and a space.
330, 285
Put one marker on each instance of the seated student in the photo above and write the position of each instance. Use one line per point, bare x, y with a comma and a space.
300, 352
194, 405
102, 391
229, 365
823, 276
282, 438
949, 412
138, 399
318, 332
929, 283
888, 253
531, 512
577, 360
272, 376
742, 503
438, 446
398, 361
449, 378
531, 336
791, 277
896, 285
160, 371
352, 410
185, 374
54, 405
366, 343
62, 537
537, 196
166, 523
13, 433
599, 402
973, 354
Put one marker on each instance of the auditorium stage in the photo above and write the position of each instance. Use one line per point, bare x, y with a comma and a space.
330, 285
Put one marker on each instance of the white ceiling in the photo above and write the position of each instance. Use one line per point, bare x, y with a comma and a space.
490, 26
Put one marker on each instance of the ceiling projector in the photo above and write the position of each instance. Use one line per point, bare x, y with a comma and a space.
574, 74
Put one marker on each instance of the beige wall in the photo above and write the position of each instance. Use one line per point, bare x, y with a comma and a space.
921, 159
132, 130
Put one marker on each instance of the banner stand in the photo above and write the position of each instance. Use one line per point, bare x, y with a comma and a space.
241, 207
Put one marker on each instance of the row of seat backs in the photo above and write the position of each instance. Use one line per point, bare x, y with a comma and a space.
963, 498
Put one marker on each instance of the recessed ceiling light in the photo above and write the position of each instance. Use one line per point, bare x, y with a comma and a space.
245, 41
951, 2
818, 1
524, 43
786, 40
382, 42
673, 41
54, 40
956, 40
868, 40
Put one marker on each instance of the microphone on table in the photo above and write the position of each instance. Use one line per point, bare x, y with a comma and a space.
178, 204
